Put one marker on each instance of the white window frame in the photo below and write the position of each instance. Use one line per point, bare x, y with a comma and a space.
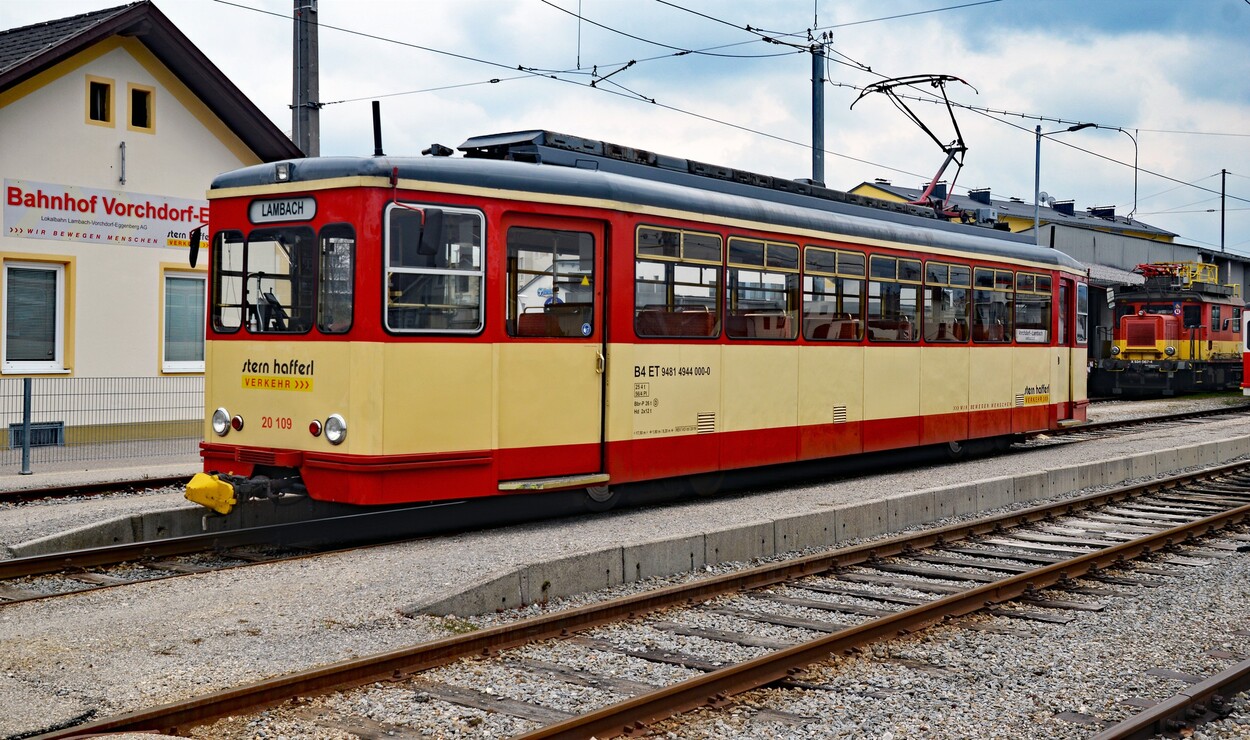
57, 364
180, 366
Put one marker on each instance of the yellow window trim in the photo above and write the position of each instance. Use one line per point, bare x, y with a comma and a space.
166, 79
112, 107
131, 87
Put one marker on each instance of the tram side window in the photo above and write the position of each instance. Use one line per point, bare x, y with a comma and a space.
551, 283
833, 295
227, 281
281, 280
893, 299
1064, 312
991, 305
1236, 320
1033, 293
1215, 317
1082, 314
762, 285
338, 269
433, 269
946, 289
677, 283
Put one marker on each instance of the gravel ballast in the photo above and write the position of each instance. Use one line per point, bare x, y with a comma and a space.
122, 649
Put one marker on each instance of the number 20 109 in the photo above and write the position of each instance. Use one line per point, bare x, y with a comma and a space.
270, 422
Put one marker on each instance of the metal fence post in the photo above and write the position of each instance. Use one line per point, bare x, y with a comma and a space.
26, 383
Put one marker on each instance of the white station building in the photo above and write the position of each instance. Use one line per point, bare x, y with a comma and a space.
113, 125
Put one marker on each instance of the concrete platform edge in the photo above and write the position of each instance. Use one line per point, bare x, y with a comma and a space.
827, 528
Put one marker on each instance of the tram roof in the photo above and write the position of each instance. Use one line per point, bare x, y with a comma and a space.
543, 162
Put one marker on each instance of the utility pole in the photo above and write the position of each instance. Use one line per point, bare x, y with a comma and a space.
818, 113
1223, 191
305, 107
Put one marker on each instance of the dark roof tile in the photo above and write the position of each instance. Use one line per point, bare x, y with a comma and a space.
26, 52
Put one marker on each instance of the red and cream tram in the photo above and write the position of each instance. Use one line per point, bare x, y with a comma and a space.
547, 312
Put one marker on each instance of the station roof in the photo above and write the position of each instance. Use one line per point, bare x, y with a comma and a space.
27, 51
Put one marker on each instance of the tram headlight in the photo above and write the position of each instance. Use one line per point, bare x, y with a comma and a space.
1115, 350
221, 422
336, 429
1169, 351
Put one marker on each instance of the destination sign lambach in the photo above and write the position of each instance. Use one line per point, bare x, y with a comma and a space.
282, 209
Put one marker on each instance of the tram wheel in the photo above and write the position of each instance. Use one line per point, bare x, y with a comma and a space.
705, 485
601, 498
955, 450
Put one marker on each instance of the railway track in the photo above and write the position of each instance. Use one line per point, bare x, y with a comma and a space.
58, 574
63, 573
1102, 429
87, 490
827, 605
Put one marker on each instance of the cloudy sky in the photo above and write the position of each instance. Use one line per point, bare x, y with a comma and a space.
1172, 74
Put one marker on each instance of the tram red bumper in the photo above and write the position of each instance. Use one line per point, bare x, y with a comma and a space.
242, 460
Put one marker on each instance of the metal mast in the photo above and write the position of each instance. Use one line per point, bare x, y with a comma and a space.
818, 113
305, 108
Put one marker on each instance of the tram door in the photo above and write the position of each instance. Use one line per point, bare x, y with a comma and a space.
550, 366
1061, 385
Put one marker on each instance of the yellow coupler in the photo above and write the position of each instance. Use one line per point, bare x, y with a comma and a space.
209, 490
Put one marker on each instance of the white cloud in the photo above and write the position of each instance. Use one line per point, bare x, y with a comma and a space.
1139, 64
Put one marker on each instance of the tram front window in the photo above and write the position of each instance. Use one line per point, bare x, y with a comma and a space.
433, 284
281, 280
266, 281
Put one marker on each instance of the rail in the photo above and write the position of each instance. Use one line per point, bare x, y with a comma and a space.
715, 685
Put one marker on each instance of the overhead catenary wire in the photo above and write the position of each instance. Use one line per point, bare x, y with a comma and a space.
558, 75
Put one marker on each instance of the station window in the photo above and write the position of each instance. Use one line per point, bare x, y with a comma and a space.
34, 317
991, 305
336, 279
833, 295
142, 108
551, 283
677, 283
893, 299
946, 289
182, 348
1033, 300
99, 101
762, 287
434, 269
